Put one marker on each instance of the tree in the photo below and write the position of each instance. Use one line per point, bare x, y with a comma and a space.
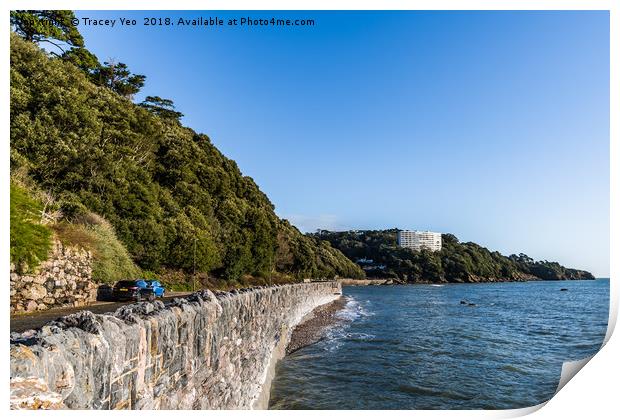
47, 25
163, 108
59, 25
167, 191
448, 238
117, 77
83, 59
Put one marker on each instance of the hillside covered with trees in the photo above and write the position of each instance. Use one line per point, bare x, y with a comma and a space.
378, 253
129, 181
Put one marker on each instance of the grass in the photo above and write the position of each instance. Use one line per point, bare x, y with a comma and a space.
111, 261
30, 241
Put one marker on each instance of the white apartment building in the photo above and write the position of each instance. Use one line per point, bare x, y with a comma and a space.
417, 240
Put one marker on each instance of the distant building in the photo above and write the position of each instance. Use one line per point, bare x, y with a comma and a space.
417, 240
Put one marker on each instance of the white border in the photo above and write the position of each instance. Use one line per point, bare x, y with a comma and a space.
592, 394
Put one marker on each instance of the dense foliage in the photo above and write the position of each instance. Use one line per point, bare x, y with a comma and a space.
57, 30
30, 240
378, 253
174, 201
53, 26
304, 255
111, 261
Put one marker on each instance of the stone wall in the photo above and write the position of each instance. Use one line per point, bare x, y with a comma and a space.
365, 282
64, 279
208, 351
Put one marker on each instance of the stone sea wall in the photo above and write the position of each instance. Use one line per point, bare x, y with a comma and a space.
366, 282
64, 279
207, 351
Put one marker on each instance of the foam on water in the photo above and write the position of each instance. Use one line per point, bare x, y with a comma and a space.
352, 310
338, 333
419, 347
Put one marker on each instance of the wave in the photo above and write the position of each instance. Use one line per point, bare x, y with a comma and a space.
337, 336
352, 310
338, 333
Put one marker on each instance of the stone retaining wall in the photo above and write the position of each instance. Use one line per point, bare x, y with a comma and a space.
208, 351
64, 279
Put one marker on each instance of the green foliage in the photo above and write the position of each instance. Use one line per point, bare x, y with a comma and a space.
116, 76
163, 108
44, 25
57, 27
30, 241
82, 59
175, 202
456, 262
548, 269
307, 257
111, 261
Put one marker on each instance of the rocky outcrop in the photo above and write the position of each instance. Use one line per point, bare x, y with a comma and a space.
64, 279
207, 351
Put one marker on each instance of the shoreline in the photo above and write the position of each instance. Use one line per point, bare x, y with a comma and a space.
279, 350
397, 282
312, 328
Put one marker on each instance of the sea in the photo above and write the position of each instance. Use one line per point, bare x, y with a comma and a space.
452, 346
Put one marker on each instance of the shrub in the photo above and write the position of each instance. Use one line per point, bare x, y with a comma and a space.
111, 261
30, 240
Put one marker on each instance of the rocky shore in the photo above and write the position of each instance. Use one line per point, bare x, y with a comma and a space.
312, 329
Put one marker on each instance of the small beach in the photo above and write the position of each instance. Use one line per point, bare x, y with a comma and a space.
314, 327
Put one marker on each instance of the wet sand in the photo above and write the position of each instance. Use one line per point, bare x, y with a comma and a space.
313, 328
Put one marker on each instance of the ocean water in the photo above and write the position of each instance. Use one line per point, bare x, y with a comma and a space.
418, 347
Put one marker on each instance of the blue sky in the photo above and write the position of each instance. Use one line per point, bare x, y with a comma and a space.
493, 126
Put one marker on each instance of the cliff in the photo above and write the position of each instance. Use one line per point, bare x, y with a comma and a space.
209, 351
